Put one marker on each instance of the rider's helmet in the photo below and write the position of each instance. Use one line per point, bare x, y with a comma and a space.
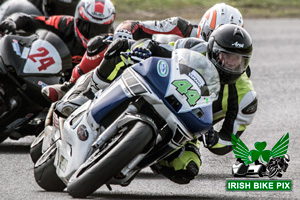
93, 17
229, 49
218, 14
287, 158
59, 7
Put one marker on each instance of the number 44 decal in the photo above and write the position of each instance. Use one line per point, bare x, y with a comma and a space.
183, 87
45, 62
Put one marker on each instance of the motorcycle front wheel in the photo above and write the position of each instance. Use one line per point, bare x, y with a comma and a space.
92, 177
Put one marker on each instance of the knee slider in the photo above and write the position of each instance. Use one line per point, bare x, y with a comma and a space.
190, 154
185, 167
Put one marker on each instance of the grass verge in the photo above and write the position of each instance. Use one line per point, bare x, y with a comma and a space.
194, 9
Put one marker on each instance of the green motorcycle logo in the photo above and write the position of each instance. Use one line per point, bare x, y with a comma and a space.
259, 153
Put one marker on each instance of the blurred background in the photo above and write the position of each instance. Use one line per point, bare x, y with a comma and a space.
194, 9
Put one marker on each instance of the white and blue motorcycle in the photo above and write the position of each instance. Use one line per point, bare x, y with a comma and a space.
151, 110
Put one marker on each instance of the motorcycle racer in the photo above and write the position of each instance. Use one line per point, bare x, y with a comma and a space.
229, 48
92, 17
218, 14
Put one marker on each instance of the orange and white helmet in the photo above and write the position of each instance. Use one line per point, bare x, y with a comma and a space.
215, 16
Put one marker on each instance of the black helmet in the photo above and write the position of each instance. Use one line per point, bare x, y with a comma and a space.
59, 7
230, 49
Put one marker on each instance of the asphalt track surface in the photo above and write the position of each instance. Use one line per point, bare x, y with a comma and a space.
276, 77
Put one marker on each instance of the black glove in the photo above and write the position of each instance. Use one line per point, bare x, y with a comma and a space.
8, 26
98, 44
117, 46
210, 138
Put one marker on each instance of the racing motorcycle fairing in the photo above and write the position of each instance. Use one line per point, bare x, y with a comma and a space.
28, 63
40, 54
187, 85
11, 47
151, 81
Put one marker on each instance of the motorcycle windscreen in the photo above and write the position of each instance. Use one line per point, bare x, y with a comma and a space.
187, 85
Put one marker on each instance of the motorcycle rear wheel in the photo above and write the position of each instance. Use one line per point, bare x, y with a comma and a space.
45, 172
36, 147
98, 173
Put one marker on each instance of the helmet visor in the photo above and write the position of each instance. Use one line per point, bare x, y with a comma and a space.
90, 30
234, 63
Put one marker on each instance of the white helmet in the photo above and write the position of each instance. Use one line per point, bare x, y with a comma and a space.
93, 17
217, 15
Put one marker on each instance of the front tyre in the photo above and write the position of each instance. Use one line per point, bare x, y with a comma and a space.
98, 173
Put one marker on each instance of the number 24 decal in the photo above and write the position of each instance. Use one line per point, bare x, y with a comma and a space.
45, 62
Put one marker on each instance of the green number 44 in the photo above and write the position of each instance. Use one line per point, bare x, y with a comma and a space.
183, 87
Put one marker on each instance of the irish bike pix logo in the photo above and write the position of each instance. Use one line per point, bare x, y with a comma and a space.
260, 161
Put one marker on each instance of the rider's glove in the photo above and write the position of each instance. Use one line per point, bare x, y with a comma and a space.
8, 26
116, 51
117, 46
210, 138
122, 34
182, 166
140, 53
98, 44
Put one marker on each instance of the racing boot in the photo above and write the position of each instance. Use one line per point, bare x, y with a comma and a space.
66, 108
183, 165
55, 92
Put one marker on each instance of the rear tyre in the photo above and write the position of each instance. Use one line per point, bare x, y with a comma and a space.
45, 172
87, 180
36, 148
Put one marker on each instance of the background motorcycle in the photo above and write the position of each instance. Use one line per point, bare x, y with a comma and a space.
14, 6
145, 115
37, 7
27, 63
